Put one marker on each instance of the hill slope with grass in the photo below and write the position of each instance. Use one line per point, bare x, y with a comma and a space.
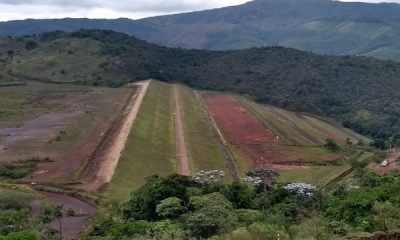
320, 26
360, 92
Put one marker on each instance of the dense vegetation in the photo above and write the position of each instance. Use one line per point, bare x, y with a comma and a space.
18, 219
321, 26
14, 216
178, 207
360, 92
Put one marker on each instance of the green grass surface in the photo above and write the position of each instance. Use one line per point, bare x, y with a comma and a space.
151, 145
317, 175
200, 138
15, 106
322, 175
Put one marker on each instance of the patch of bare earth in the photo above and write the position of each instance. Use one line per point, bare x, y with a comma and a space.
77, 156
29, 139
243, 130
181, 148
393, 163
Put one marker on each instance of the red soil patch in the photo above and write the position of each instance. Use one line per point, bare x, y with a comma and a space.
237, 124
243, 130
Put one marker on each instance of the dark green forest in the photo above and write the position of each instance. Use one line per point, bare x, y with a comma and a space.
178, 207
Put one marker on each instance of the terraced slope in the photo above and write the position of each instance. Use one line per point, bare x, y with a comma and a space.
291, 143
299, 128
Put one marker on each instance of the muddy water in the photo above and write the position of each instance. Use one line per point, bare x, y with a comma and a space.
72, 227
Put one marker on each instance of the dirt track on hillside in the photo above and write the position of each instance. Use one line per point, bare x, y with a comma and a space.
393, 163
109, 154
181, 148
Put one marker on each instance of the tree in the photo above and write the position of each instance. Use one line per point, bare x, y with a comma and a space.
170, 208
143, 202
240, 195
10, 54
331, 145
213, 214
59, 212
386, 217
266, 175
30, 45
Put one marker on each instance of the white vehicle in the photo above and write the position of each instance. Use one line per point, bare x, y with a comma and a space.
384, 163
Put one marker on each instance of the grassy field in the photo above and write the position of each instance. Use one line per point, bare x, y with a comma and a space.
199, 135
316, 175
321, 175
56, 62
151, 145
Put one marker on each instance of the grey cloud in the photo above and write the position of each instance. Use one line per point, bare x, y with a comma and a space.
22, 9
124, 5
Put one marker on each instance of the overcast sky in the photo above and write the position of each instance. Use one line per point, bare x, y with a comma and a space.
22, 9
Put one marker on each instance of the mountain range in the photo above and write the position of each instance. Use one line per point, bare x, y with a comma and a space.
320, 26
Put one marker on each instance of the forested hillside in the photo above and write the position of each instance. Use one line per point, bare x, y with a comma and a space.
320, 26
361, 92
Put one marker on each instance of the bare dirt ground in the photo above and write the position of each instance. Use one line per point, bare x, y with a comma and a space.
74, 160
393, 163
109, 153
181, 148
243, 130
33, 133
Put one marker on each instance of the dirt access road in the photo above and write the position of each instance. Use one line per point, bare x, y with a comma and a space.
393, 163
115, 146
181, 148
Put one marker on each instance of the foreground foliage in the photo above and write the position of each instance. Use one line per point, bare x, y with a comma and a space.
177, 207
